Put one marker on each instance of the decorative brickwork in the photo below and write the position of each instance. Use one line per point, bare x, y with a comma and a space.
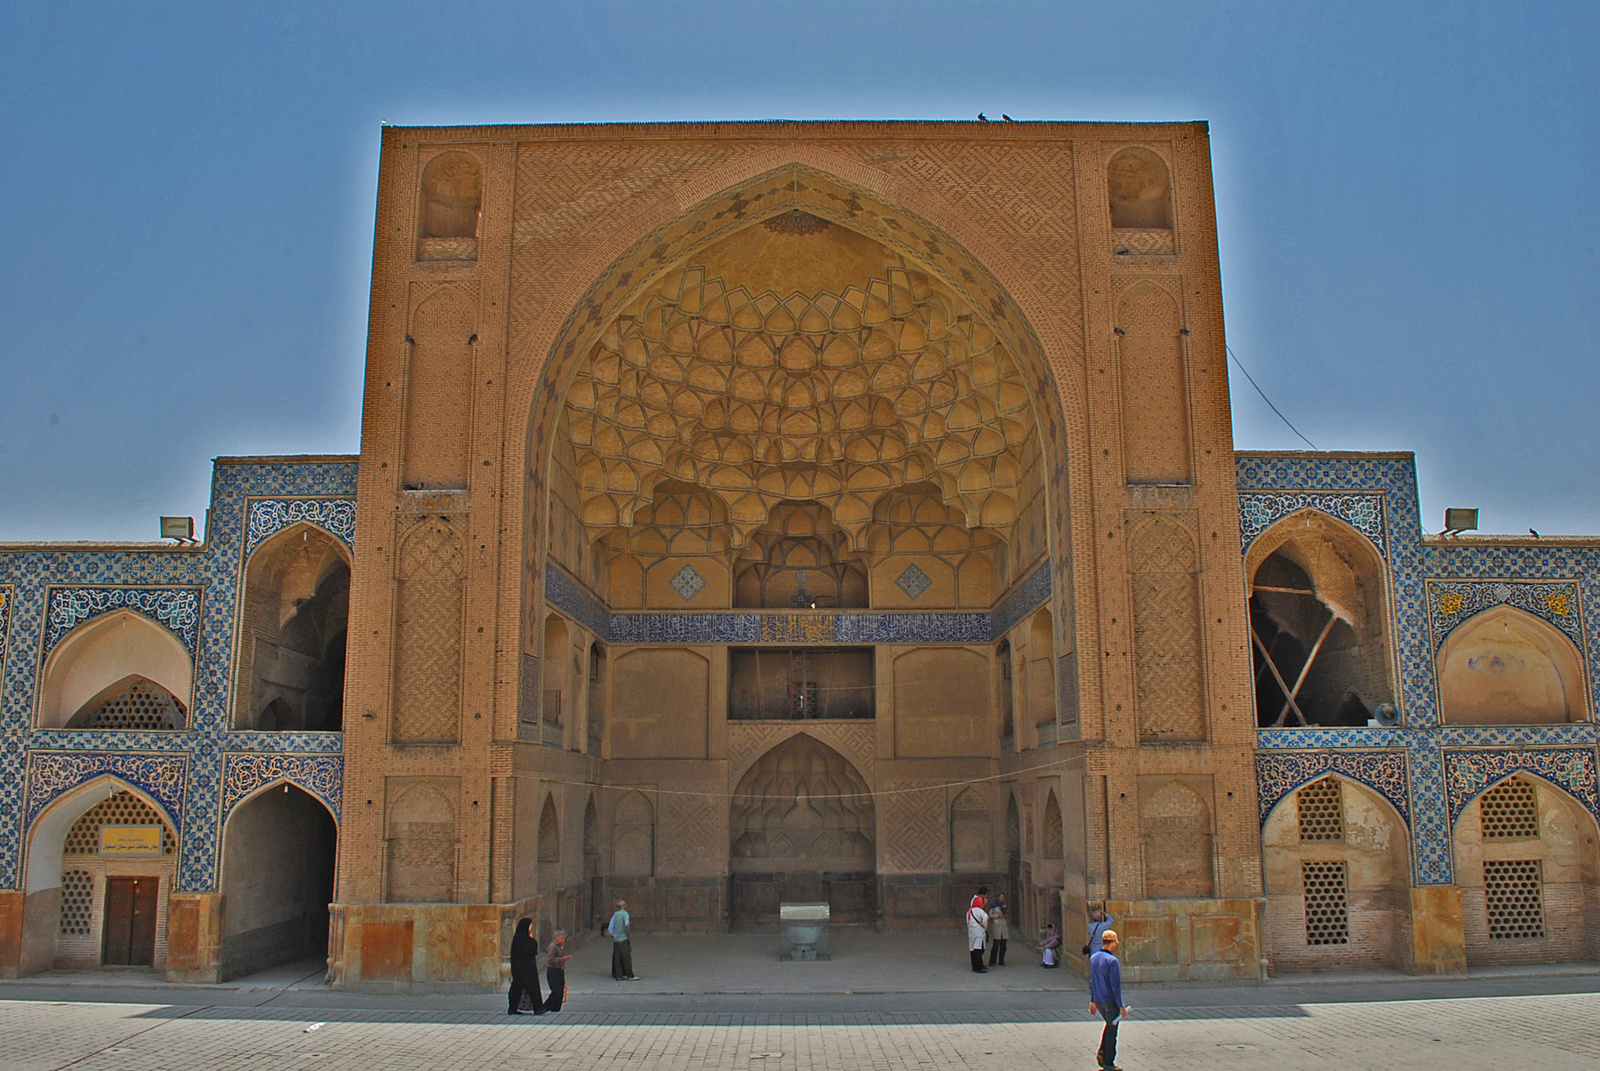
427, 689
1166, 617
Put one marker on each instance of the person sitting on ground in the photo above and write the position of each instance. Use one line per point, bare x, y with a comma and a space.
555, 971
1050, 947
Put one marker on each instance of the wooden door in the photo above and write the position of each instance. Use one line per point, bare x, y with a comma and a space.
130, 928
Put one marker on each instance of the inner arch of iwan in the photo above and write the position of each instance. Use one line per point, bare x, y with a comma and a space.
775, 501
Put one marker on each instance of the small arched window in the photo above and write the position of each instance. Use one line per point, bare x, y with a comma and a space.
1140, 187
452, 202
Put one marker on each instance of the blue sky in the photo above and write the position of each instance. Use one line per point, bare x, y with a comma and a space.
1406, 197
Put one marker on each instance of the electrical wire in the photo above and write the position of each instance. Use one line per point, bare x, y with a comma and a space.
1264, 397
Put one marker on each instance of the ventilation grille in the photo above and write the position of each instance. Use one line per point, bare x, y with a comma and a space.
1514, 893
1327, 911
1510, 811
77, 903
142, 706
1322, 810
121, 809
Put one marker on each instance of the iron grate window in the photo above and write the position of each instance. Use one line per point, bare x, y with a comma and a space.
77, 903
142, 706
1510, 811
1513, 891
1327, 903
1322, 810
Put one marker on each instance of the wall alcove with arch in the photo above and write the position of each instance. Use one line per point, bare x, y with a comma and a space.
1506, 667
119, 671
279, 854
295, 610
1320, 624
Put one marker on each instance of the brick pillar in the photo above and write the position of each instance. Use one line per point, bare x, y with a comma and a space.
11, 901
1438, 936
194, 937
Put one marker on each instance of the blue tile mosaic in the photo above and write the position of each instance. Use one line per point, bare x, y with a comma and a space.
573, 599
244, 774
175, 609
1029, 593
1469, 773
266, 517
913, 581
1434, 587
193, 592
1279, 773
688, 583
1363, 512
1453, 602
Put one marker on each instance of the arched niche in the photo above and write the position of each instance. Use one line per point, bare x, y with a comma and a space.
558, 689
1506, 667
47, 851
799, 559
969, 832
1140, 188
421, 862
1320, 623
595, 708
279, 856
1336, 864
1042, 668
451, 205
633, 837
106, 654
1051, 840
591, 838
1005, 682
741, 357
549, 834
1175, 833
293, 627
1527, 860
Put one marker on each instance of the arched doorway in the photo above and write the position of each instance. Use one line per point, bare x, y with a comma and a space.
100, 867
802, 829
279, 850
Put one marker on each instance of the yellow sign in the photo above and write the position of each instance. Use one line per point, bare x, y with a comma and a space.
130, 840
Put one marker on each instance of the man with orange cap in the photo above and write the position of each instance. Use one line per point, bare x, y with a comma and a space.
1105, 996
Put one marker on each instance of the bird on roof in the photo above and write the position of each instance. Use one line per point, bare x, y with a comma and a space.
1007, 118
1534, 532
982, 118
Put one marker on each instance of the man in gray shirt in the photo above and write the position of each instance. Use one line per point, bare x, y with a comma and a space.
621, 948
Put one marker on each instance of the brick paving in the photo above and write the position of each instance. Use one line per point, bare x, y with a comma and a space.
915, 1032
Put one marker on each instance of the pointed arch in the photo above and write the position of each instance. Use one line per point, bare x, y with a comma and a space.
1155, 395
439, 378
48, 832
1320, 623
1506, 667
633, 837
421, 862
969, 831
803, 806
1052, 843
549, 831
104, 653
279, 855
1175, 829
294, 612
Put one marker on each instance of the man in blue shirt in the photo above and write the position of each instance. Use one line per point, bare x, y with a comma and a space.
1105, 996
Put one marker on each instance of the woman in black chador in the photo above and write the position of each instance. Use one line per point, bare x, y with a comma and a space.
525, 969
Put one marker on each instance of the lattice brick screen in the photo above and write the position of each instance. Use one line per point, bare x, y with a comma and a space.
121, 809
1514, 892
142, 706
1510, 811
77, 903
1322, 810
1327, 911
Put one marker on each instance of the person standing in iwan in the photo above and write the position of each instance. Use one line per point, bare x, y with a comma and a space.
1105, 997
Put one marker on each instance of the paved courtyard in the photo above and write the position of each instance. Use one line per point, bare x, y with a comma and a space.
886, 1003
